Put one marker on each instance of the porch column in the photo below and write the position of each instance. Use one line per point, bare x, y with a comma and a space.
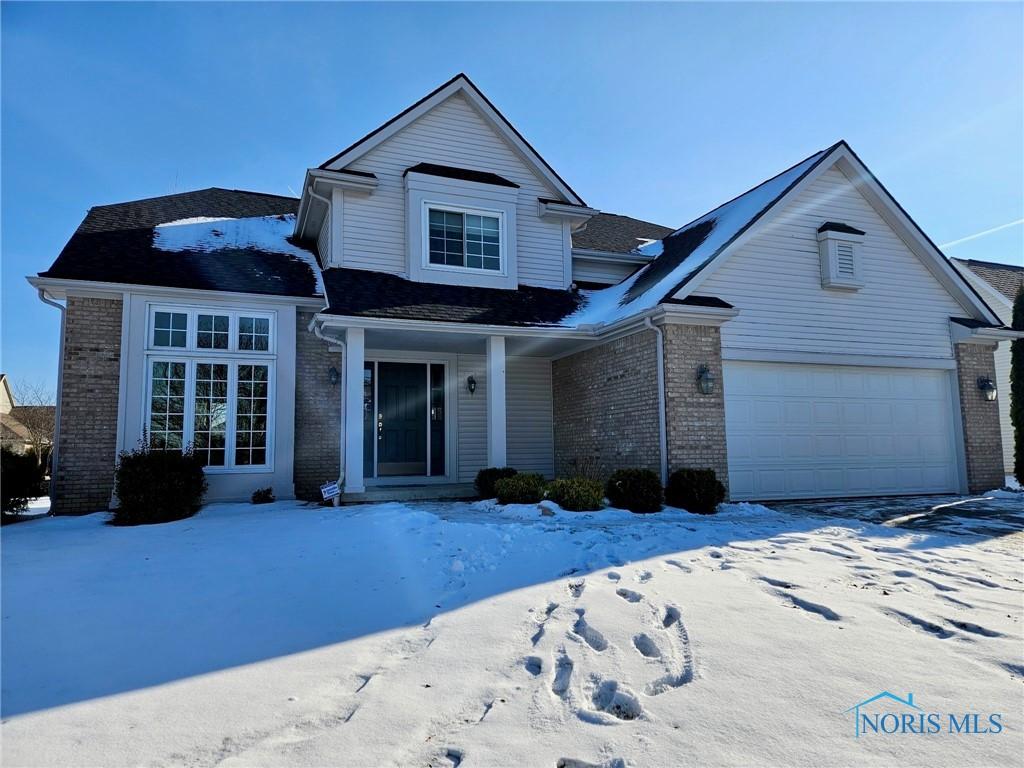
496, 451
353, 438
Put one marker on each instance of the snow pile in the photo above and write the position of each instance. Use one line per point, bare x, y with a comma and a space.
447, 633
609, 305
205, 234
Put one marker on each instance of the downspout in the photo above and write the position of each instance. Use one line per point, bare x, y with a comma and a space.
60, 382
341, 437
662, 425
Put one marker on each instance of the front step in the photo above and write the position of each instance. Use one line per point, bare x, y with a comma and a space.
426, 492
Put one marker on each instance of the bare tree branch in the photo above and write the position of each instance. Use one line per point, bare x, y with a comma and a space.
35, 409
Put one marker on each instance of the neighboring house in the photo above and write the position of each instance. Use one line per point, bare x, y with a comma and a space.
999, 284
20, 425
432, 304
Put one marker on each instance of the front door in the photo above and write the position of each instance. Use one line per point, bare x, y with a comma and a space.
401, 419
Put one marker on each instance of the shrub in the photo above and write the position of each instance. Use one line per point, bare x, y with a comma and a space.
486, 478
638, 490
157, 486
21, 479
695, 490
520, 489
263, 496
577, 494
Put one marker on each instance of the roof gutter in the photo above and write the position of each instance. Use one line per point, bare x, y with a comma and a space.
55, 445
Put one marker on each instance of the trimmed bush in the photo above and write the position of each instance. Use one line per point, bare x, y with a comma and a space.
21, 479
695, 490
520, 489
577, 494
263, 496
486, 478
157, 486
638, 490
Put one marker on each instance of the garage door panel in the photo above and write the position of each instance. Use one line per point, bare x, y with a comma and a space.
801, 431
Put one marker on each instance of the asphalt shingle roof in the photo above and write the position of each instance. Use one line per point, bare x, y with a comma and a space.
617, 234
1005, 278
115, 243
360, 293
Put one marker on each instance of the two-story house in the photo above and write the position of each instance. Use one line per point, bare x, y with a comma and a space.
439, 300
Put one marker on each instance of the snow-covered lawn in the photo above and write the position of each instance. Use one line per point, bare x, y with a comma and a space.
437, 634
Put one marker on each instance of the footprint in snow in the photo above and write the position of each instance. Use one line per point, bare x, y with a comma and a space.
613, 576
974, 629
576, 588
591, 636
629, 595
778, 583
646, 646
609, 697
533, 665
644, 576
671, 616
922, 625
806, 605
563, 674
681, 566
572, 762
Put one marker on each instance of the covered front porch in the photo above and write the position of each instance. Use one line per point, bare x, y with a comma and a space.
425, 406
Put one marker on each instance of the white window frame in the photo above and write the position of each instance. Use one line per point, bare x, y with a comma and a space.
492, 213
191, 355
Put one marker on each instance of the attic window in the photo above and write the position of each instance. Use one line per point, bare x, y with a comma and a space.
839, 248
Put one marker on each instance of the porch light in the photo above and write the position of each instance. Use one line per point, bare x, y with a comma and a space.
705, 380
988, 388
471, 385
333, 376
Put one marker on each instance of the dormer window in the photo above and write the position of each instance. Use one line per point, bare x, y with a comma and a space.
461, 238
839, 248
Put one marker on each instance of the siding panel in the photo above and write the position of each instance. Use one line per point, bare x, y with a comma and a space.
530, 437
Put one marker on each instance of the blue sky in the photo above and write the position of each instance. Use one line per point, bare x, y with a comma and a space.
657, 111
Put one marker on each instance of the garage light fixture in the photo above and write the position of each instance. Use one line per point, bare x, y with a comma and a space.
705, 380
471, 385
988, 388
333, 376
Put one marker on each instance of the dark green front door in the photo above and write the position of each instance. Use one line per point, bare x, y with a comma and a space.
402, 423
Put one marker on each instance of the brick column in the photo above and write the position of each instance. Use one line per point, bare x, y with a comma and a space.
317, 412
606, 407
87, 438
695, 422
983, 448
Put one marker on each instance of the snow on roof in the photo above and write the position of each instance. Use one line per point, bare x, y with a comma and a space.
682, 253
268, 234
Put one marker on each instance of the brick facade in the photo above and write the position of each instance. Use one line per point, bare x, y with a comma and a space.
983, 448
606, 407
317, 412
695, 423
87, 439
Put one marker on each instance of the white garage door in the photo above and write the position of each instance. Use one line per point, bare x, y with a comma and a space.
816, 431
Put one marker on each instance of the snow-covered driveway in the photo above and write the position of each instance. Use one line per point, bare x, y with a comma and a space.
458, 633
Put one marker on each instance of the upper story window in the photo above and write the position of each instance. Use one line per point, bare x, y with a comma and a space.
170, 329
462, 239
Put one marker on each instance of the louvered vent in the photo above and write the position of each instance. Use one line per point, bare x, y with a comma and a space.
844, 260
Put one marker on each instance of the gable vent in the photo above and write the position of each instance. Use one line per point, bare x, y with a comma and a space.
845, 260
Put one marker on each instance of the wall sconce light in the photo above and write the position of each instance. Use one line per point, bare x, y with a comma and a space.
705, 380
988, 388
471, 385
333, 376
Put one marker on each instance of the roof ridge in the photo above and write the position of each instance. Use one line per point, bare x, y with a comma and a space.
190, 192
994, 264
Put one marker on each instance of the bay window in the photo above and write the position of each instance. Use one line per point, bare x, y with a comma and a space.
210, 378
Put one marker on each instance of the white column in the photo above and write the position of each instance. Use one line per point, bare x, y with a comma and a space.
353, 405
496, 451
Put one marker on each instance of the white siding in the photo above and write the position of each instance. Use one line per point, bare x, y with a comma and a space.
528, 413
323, 241
607, 272
454, 134
1003, 386
528, 416
775, 281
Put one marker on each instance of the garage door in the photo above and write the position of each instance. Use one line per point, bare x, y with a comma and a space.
815, 431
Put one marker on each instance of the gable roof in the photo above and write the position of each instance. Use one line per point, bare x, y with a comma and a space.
1006, 279
458, 84
166, 241
686, 257
616, 234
